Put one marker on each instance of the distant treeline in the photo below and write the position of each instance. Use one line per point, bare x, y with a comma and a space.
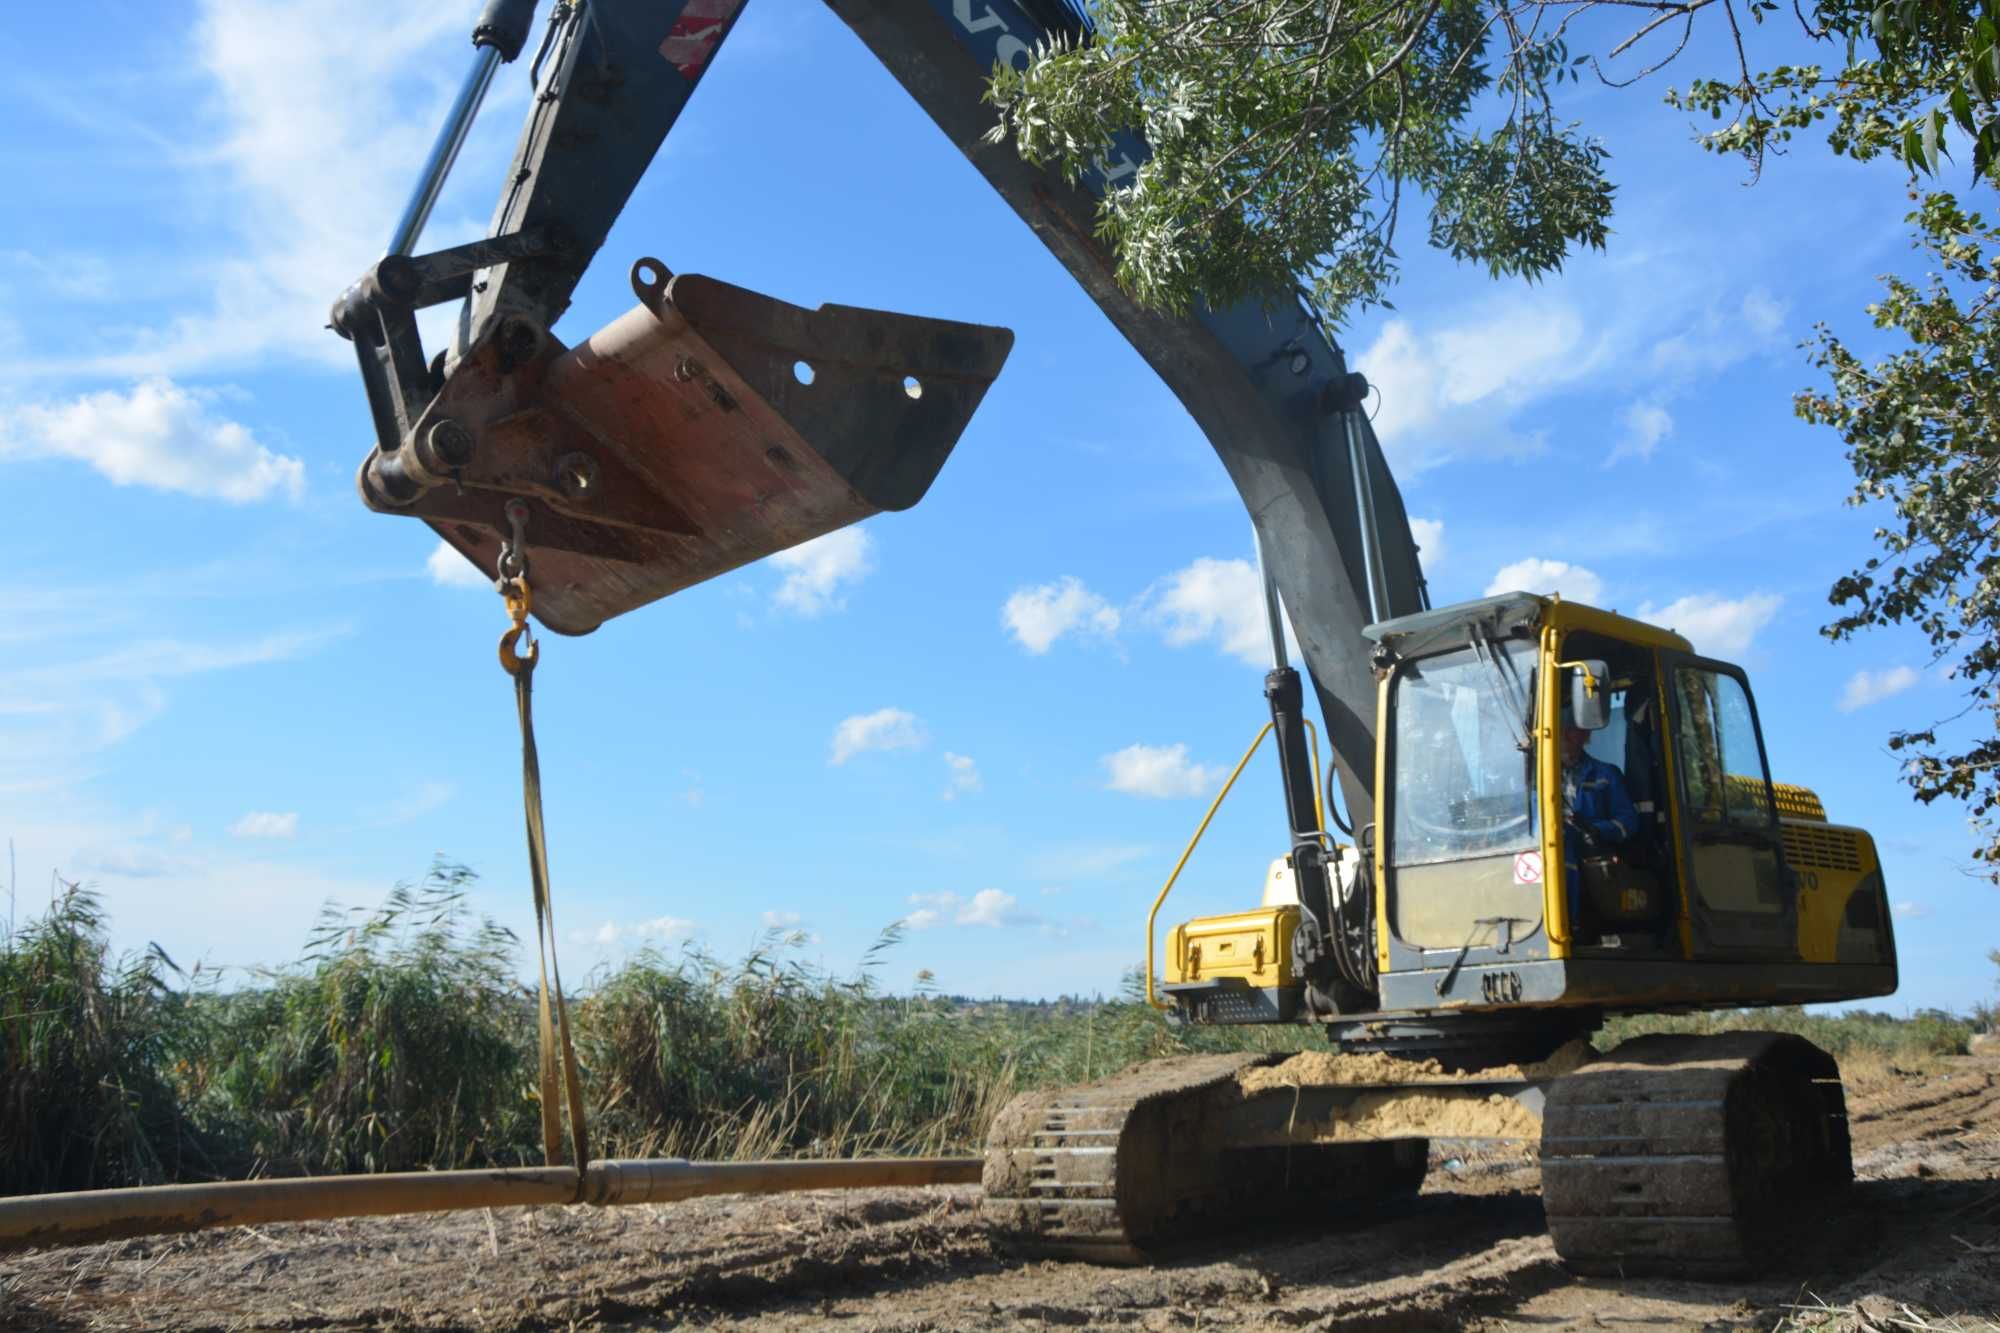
402, 1039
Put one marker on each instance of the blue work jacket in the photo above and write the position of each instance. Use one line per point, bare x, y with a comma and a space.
1594, 796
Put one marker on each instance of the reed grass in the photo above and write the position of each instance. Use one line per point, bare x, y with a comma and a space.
401, 1038
87, 1093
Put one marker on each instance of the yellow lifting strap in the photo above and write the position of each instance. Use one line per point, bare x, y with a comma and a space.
560, 1081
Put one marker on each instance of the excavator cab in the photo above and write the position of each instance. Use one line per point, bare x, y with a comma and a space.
1497, 887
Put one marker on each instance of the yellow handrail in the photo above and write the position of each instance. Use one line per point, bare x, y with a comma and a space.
1319, 813
1181, 864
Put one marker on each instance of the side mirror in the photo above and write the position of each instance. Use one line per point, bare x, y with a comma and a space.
1589, 695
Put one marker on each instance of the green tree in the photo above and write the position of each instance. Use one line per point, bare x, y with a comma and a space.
1284, 136
1921, 425
1922, 428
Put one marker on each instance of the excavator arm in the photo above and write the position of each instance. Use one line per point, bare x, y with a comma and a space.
1272, 392
677, 444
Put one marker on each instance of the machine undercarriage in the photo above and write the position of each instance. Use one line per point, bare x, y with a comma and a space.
1668, 1155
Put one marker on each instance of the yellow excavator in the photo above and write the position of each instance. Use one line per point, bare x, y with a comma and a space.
1461, 931
1480, 930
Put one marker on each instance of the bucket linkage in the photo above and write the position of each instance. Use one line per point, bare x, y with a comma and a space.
707, 428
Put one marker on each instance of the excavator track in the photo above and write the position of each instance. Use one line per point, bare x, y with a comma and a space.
1692, 1155
1111, 1171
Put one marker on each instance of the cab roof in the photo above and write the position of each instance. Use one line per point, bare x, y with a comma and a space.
1509, 613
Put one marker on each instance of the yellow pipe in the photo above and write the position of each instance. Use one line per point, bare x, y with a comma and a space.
1181, 864
96, 1215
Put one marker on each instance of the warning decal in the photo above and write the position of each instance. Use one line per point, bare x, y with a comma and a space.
696, 33
1528, 868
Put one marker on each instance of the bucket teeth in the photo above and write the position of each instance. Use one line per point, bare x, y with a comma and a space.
708, 427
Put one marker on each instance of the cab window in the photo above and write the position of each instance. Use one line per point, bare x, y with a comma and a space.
1462, 760
1721, 762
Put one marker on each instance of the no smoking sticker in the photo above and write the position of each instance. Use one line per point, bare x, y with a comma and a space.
1528, 868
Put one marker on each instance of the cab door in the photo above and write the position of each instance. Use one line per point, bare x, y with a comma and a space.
1739, 898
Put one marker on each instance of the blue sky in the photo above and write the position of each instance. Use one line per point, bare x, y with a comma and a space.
230, 694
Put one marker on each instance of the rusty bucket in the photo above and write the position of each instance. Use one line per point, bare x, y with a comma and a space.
709, 427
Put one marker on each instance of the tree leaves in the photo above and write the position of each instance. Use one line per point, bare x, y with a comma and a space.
1285, 136
1922, 429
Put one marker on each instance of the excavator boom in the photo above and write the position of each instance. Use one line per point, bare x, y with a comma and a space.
1273, 393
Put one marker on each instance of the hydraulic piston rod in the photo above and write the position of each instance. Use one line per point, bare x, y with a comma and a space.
97, 1215
497, 38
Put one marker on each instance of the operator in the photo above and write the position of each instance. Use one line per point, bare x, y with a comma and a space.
1594, 795
1597, 809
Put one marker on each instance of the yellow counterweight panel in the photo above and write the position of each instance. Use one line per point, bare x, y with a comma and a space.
1256, 946
1796, 802
1833, 863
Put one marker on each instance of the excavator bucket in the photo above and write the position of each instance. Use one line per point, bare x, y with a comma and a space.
709, 427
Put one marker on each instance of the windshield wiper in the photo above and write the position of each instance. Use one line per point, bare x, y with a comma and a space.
1514, 694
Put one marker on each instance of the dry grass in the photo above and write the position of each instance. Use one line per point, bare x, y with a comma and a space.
1876, 1314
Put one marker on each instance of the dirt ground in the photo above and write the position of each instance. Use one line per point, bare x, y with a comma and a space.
1917, 1246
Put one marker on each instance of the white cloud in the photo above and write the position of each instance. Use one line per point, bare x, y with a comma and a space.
158, 658
1447, 393
1086, 860
449, 569
125, 861
300, 166
818, 572
1040, 615
95, 702
1215, 601
988, 907
265, 824
205, 898
1909, 909
1429, 533
158, 435
73, 276
932, 909
964, 775
1721, 335
1867, 687
1646, 423
1546, 576
883, 729
1763, 313
777, 920
417, 801
658, 930
1716, 626
1465, 380
1161, 771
